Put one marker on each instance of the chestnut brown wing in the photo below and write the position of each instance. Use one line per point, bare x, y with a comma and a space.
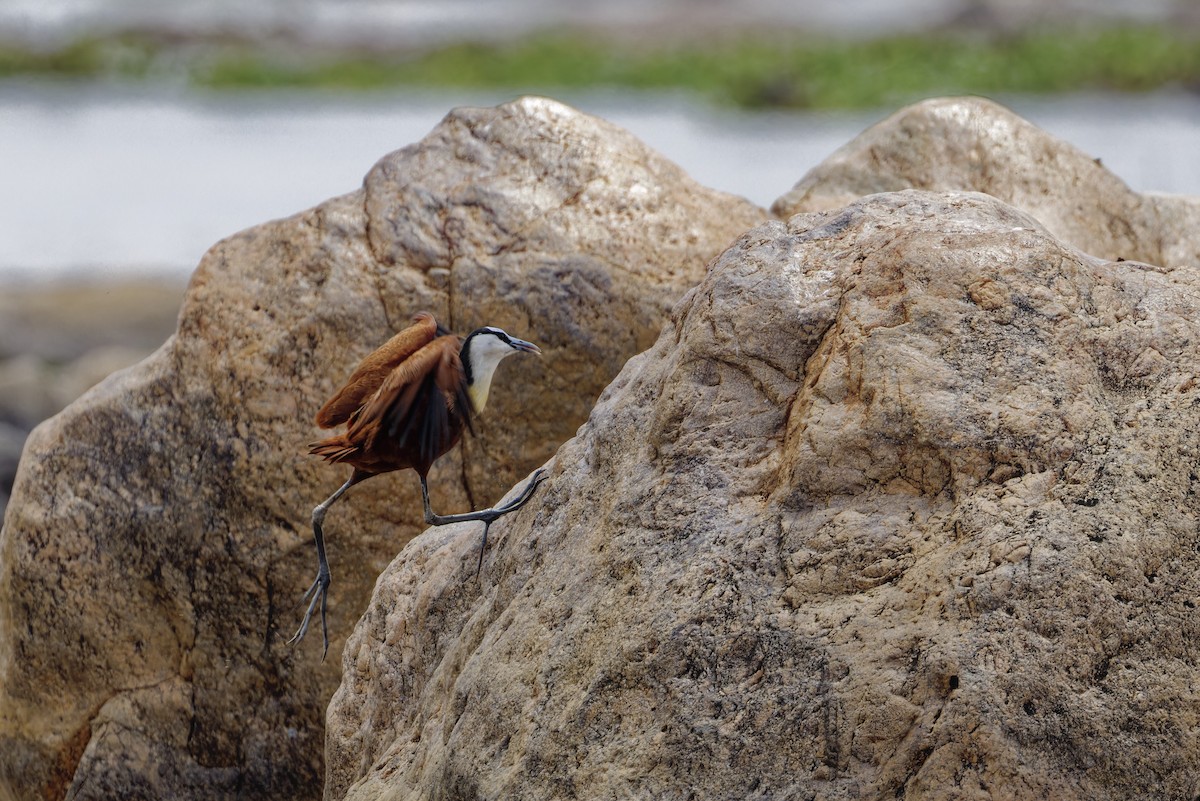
374, 370
420, 409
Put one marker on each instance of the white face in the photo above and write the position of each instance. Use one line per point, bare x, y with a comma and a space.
488, 347
491, 347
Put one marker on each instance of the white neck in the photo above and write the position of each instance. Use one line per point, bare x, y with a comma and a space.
485, 353
478, 389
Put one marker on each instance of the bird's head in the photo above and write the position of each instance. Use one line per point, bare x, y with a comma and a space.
481, 352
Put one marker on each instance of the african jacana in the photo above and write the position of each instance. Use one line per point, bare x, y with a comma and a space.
406, 405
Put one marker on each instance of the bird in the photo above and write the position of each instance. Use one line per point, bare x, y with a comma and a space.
404, 406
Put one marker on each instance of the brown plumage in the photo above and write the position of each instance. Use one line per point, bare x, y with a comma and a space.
374, 369
404, 406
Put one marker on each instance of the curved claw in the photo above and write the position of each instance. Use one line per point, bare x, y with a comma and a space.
537, 478
319, 591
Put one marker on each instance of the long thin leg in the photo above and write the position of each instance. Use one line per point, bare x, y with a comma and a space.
319, 591
487, 516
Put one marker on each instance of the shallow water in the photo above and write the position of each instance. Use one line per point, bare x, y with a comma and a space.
107, 180
423, 21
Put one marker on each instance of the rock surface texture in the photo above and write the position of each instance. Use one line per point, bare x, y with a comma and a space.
60, 338
158, 538
971, 144
902, 503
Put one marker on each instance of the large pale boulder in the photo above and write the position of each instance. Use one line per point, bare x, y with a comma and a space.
158, 539
972, 144
902, 504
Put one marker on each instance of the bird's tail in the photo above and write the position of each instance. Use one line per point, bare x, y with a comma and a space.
333, 449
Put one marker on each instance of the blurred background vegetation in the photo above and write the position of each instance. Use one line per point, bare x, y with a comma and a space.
751, 69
